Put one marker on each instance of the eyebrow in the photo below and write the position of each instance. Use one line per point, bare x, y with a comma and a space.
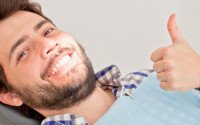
40, 24
25, 37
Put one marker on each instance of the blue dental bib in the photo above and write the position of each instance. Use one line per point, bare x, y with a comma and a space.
153, 106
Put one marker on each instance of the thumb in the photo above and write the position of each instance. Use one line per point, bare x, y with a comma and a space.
173, 30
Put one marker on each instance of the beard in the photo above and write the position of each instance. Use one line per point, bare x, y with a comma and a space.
55, 96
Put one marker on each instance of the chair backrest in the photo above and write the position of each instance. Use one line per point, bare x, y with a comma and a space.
8, 116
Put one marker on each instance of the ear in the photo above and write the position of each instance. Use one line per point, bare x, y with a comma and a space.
10, 98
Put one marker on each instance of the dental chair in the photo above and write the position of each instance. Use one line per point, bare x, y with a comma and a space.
9, 116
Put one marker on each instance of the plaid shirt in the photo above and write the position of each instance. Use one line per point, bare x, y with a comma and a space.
108, 78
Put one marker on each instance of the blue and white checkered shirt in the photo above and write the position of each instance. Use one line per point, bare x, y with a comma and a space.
108, 78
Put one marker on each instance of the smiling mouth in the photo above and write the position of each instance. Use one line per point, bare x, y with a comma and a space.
62, 62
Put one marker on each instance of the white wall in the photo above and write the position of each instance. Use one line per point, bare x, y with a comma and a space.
124, 32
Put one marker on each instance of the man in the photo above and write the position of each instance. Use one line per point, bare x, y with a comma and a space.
47, 70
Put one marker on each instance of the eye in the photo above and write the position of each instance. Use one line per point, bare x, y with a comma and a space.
48, 31
22, 54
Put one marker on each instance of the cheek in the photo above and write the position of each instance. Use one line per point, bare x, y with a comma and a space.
26, 73
65, 39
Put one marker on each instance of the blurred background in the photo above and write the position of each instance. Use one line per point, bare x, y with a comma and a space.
124, 32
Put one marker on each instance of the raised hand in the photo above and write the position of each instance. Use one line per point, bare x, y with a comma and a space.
177, 65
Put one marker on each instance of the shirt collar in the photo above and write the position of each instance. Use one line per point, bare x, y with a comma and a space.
106, 79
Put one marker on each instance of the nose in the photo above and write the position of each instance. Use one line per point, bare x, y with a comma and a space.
47, 47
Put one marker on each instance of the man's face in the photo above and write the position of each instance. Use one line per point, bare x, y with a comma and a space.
44, 66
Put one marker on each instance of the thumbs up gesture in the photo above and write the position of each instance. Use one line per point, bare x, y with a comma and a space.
177, 65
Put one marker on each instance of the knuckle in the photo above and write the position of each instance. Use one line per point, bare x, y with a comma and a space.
161, 77
173, 85
167, 64
166, 51
155, 67
158, 76
171, 81
170, 86
165, 86
162, 85
153, 56
170, 76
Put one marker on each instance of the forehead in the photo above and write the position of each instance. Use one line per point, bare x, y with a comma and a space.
21, 22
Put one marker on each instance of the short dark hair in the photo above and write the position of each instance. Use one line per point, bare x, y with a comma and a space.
8, 8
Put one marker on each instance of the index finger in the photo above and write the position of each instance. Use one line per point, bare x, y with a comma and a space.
157, 54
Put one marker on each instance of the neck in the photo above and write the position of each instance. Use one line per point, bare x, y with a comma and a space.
91, 109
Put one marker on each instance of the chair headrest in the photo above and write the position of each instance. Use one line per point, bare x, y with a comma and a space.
9, 116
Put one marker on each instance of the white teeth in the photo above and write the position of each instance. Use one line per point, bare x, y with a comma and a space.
54, 69
53, 73
63, 61
60, 63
